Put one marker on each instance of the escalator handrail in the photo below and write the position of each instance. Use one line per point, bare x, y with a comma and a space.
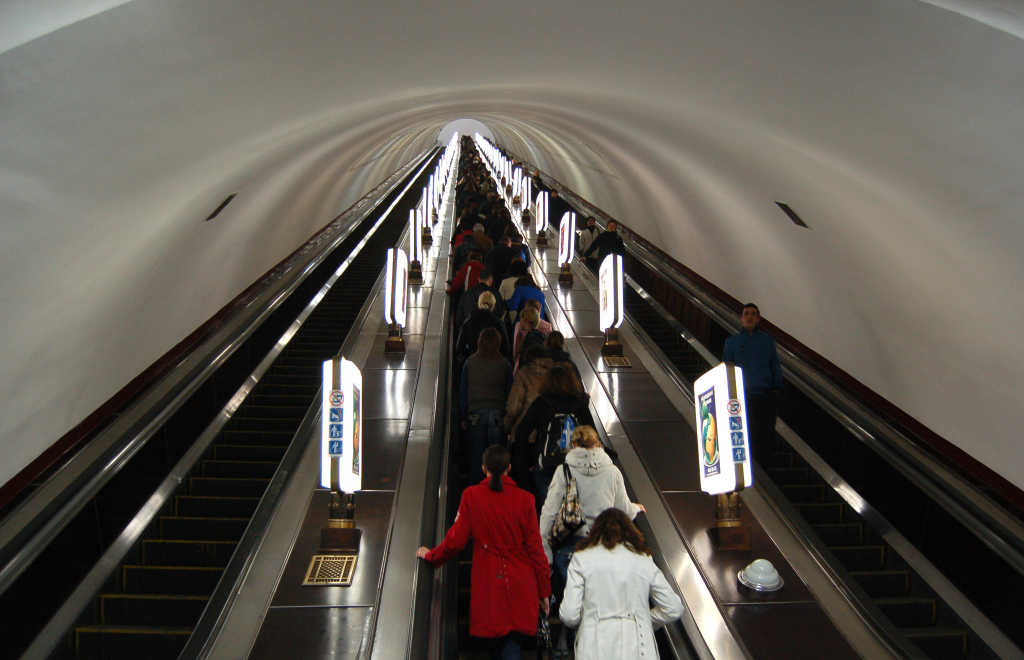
991, 523
86, 591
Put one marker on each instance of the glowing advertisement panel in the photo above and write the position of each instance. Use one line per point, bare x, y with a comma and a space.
723, 443
567, 238
612, 297
341, 436
396, 287
540, 221
415, 234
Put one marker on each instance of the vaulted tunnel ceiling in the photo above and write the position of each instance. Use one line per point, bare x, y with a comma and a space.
893, 127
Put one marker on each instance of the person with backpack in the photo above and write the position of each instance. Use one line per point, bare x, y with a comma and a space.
599, 485
510, 577
560, 409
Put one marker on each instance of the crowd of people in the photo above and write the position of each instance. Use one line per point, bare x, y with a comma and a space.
534, 453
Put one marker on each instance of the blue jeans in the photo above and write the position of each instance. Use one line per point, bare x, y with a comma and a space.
509, 647
563, 555
483, 428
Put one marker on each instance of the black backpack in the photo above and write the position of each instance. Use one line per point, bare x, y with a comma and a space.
556, 442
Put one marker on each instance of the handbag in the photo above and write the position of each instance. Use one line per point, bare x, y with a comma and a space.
570, 514
543, 635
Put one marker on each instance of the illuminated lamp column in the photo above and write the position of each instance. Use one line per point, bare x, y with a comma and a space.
612, 304
526, 194
341, 453
425, 210
725, 467
517, 187
396, 294
566, 247
540, 220
415, 246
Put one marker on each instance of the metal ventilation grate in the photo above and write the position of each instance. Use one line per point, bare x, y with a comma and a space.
330, 571
220, 208
792, 215
616, 361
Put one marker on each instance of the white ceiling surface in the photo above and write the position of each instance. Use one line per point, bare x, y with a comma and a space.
893, 127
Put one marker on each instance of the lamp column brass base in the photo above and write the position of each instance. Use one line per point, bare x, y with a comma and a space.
729, 533
612, 346
427, 239
415, 273
542, 239
394, 342
565, 276
341, 534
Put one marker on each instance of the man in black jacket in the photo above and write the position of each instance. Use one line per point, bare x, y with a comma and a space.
608, 242
470, 298
500, 258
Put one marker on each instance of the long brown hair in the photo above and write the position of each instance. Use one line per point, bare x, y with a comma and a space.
561, 381
488, 343
496, 460
610, 529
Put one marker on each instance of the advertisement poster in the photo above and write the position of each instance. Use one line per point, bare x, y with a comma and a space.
356, 435
709, 434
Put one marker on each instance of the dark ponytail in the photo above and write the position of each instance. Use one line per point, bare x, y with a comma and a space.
496, 461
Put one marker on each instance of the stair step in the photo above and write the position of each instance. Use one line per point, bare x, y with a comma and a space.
248, 453
883, 584
804, 494
840, 534
227, 487
157, 552
254, 437
151, 610
170, 580
240, 469
939, 643
124, 642
266, 424
202, 529
788, 476
283, 400
204, 506
775, 461
820, 514
861, 558
278, 389
275, 411
908, 612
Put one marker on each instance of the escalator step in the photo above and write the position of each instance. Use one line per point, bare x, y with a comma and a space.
275, 390
305, 371
821, 514
861, 558
227, 487
939, 643
788, 476
782, 460
151, 642
170, 580
215, 507
151, 610
248, 453
202, 529
265, 438
286, 400
840, 534
265, 425
187, 553
908, 612
274, 412
240, 469
804, 494
883, 584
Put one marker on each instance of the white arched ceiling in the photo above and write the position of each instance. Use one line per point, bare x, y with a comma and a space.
893, 127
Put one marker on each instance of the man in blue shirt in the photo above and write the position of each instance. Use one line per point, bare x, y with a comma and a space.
753, 350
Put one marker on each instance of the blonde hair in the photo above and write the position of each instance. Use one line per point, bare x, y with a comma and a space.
486, 301
531, 316
585, 437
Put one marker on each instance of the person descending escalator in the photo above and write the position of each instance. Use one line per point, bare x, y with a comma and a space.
607, 242
510, 578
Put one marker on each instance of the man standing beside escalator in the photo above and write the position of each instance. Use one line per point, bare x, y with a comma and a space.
753, 350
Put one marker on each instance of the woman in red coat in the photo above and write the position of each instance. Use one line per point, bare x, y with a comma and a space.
510, 570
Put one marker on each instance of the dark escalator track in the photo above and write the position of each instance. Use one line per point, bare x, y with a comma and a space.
151, 603
892, 586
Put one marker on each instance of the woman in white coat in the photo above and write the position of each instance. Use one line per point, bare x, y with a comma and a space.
612, 583
599, 485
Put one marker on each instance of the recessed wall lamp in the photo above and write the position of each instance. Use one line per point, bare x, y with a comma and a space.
792, 215
220, 208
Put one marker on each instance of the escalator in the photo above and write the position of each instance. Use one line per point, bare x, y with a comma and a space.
150, 604
882, 576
